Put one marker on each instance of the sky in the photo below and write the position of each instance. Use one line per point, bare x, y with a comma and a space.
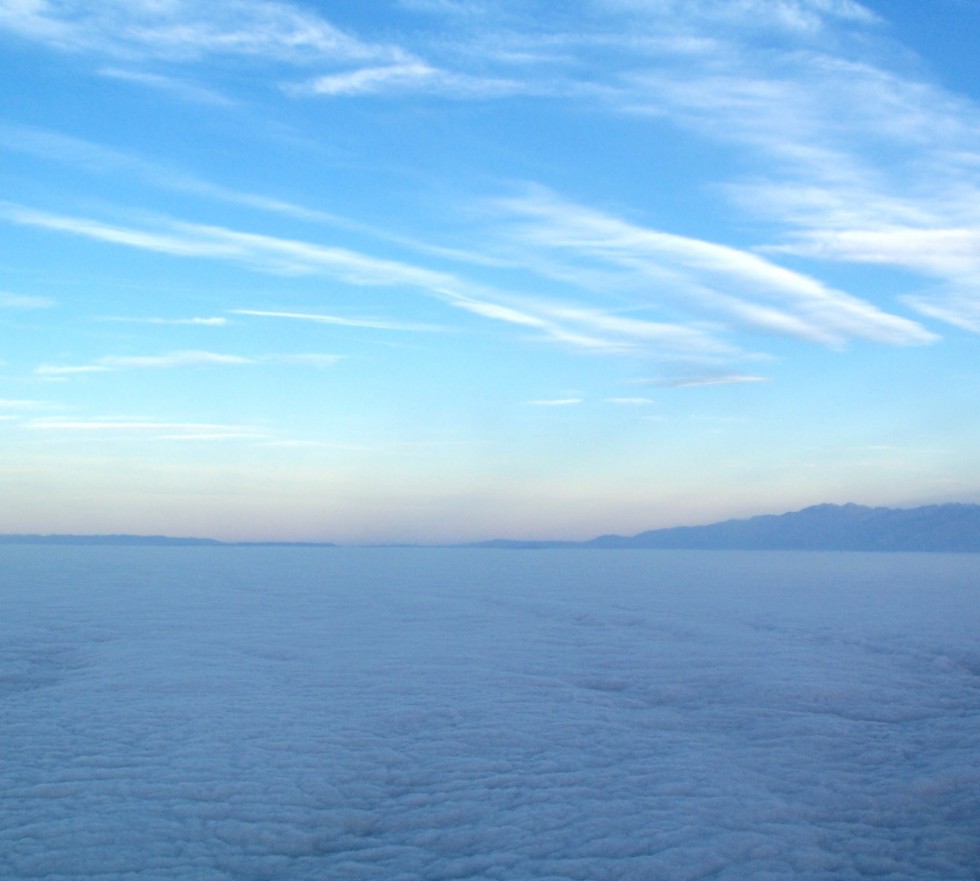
435, 270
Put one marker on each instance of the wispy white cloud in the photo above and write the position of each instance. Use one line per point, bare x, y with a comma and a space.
341, 321
265, 252
18, 301
533, 50
184, 30
184, 359
199, 322
465, 8
790, 15
179, 88
415, 76
159, 430
700, 280
848, 139
310, 359
167, 243
142, 35
593, 330
99, 159
574, 325
172, 359
63, 370
167, 361
709, 379
716, 280
295, 444
950, 257
15, 404
850, 148
953, 253
960, 307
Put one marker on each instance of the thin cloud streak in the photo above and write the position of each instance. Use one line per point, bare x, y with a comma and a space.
791, 15
578, 327
182, 30
719, 379
815, 312
945, 253
592, 330
319, 318
959, 307
158, 430
722, 280
414, 77
198, 322
259, 251
171, 360
179, 88
309, 359
184, 359
18, 301
98, 159
21, 404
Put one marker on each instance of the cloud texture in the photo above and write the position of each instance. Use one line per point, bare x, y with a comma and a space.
354, 714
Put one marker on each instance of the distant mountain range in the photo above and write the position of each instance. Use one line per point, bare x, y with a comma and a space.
148, 541
818, 528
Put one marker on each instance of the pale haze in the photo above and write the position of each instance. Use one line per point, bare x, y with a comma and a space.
436, 270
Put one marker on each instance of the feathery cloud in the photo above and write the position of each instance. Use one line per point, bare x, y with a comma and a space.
159, 430
959, 307
415, 76
593, 330
179, 88
196, 322
96, 158
794, 16
571, 324
320, 318
172, 359
18, 301
709, 379
183, 30
719, 280
154, 362
11, 404
265, 252
856, 156
309, 359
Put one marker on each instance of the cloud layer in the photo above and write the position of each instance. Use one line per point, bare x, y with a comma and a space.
436, 714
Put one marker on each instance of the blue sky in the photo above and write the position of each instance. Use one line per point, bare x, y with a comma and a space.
432, 270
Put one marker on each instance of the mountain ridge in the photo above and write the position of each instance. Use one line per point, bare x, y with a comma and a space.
132, 540
953, 527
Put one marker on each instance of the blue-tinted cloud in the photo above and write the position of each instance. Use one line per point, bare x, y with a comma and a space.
487, 714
